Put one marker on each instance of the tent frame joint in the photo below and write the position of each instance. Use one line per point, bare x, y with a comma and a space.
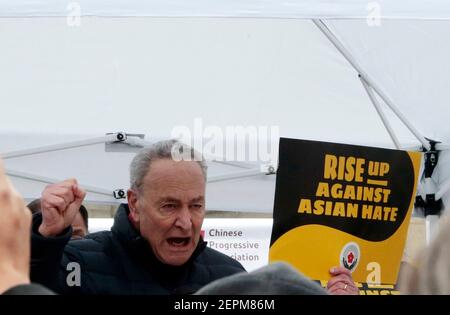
432, 205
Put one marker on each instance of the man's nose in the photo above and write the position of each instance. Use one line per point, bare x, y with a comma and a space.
184, 219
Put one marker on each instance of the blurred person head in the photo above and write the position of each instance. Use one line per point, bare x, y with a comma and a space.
35, 206
430, 272
167, 199
278, 278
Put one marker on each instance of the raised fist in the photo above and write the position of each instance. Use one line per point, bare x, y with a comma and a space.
60, 204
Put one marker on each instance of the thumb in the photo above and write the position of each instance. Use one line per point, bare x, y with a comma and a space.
340, 270
79, 194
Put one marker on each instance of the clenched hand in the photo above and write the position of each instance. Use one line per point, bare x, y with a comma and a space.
342, 282
60, 203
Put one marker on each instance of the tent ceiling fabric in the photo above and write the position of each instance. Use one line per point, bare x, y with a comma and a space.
306, 9
150, 75
408, 59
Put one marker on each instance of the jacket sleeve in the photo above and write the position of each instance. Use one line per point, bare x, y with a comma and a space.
48, 258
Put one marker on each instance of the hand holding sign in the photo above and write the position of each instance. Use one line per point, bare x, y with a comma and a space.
341, 283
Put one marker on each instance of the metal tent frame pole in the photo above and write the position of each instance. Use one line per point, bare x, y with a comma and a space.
58, 147
347, 55
110, 138
443, 189
380, 112
369, 84
50, 180
247, 169
235, 175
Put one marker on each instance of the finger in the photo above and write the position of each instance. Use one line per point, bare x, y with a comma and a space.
340, 279
59, 191
68, 182
344, 290
79, 194
53, 201
340, 270
51, 212
349, 290
74, 207
342, 286
337, 287
64, 192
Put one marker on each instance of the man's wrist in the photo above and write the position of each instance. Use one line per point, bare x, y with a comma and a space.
47, 232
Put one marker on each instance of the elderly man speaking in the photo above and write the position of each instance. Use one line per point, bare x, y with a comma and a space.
154, 246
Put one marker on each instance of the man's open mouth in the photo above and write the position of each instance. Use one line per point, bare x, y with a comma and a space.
178, 241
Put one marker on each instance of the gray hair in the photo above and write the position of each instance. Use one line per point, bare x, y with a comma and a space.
167, 149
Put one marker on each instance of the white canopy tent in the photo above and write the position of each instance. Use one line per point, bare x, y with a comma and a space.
76, 71
306, 9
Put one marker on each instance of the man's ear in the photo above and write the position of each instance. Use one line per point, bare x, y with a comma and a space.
133, 205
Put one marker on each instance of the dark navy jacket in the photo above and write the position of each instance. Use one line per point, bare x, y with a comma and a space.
119, 261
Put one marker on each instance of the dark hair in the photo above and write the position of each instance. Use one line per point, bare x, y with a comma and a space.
85, 215
35, 206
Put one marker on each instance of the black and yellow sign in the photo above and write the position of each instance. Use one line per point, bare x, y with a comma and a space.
343, 205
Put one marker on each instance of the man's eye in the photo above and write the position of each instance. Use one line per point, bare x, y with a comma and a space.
197, 206
170, 206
